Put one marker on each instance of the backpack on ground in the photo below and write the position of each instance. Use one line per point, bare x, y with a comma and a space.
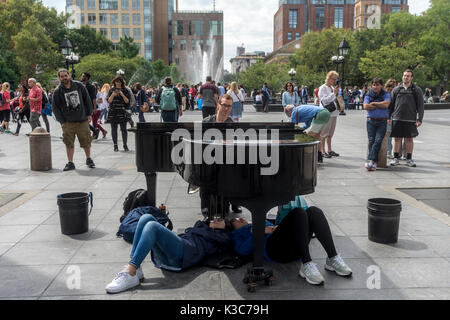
128, 226
135, 199
168, 101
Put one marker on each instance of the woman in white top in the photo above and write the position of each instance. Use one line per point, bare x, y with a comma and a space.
238, 99
328, 93
102, 102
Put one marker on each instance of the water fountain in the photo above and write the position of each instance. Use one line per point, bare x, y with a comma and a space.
203, 63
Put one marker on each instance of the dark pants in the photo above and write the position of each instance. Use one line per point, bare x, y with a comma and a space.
20, 120
123, 128
265, 103
47, 124
95, 117
376, 130
208, 111
290, 240
141, 116
169, 116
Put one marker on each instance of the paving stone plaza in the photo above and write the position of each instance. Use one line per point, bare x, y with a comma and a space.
38, 262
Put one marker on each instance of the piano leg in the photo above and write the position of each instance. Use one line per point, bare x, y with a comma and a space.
150, 177
257, 273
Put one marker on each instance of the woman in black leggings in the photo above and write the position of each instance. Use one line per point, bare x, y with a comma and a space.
289, 241
119, 102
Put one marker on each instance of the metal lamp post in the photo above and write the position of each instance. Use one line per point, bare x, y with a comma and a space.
292, 73
445, 83
344, 48
71, 57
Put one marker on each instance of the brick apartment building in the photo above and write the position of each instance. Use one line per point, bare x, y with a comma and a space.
296, 17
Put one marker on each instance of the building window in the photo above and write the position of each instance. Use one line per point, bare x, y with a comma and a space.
182, 45
396, 9
80, 4
82, 21
103, 18
114, 18
114, 34
126, 32
196, 28
136, 19
201, 44
193, 45
339, 17
92, 18
107, 4
125, 4
319, 18
104, 32
293, 19
125, 19
214, 27
289, 36
91, 4
297, 35
136, 4
178, 28
137, 34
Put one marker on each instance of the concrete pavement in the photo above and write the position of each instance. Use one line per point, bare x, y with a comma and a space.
38, 262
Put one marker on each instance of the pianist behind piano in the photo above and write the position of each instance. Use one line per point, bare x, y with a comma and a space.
223, 110
289, 241
168, 250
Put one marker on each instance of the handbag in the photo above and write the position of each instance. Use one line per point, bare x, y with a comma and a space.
331, 107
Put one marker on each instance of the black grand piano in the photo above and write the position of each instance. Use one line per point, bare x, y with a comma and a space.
239, 181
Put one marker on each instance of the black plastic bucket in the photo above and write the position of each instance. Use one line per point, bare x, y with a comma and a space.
74, 212
384, 220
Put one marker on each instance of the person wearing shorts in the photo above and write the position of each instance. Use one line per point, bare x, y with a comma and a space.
72, 107
315, 119
406, 111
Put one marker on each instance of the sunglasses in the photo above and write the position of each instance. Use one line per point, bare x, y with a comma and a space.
226, 105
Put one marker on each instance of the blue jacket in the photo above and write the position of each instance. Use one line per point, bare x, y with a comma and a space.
201, 241
243, 240
304, 114
373, 97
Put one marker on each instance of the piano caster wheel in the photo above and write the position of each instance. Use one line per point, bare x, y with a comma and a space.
254, 276
251, 287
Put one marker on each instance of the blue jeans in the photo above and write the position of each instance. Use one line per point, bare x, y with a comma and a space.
376, 131
167, 247
104, 114
141, 116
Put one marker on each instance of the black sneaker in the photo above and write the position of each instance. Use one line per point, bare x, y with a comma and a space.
90, 163
116, 148
125, 148
69, 166
334, 154
320, 159
326, 155
96, 133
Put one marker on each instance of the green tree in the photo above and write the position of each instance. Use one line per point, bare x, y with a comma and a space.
390, 61
35, 52
127, 48
8, 68
86, 41
103, 67
276, 75
160, 71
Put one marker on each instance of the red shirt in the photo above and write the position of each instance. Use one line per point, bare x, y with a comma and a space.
35, 106
5, 105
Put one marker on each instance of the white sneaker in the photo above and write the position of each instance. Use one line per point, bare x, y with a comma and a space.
139, 272
311, 273
338, 265
411, 163
122, 282
395, 162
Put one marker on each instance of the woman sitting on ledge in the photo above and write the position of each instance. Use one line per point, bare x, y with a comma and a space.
288, 240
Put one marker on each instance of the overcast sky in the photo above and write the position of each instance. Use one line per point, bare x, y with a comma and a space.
247, 22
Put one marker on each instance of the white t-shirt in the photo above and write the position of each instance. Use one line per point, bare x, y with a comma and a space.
327, 96
104, 104
236, 98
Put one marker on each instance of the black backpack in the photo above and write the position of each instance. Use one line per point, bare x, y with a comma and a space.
1, 99
135, 199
